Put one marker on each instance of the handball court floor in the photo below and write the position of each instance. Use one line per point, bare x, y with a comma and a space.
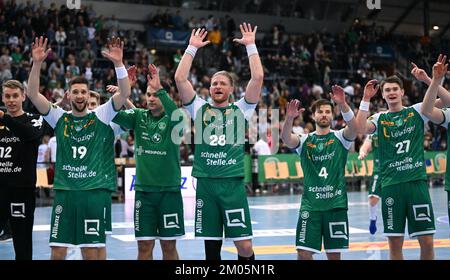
274, 219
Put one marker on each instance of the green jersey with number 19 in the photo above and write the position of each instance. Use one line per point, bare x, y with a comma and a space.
400, 138
84, 158
323, 159
219, 138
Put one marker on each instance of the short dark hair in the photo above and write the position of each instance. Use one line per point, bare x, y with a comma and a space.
13, 84
78, 80
392, 79
320, 102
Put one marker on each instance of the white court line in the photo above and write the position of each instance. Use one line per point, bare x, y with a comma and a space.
187, 223
290, 206
256, 233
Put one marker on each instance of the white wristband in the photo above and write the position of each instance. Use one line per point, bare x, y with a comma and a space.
191, 50
251, 49
364, 106
121, 72
348, 115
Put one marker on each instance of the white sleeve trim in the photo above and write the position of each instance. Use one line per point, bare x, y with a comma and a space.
302, 138
106, 112
247, 108
340, 135
417, 108
53, 115
194, 106
446, 113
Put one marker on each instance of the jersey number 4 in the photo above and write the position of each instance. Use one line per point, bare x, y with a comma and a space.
79, 152
323, 172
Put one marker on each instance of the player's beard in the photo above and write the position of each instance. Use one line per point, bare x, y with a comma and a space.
324, 124
75, 107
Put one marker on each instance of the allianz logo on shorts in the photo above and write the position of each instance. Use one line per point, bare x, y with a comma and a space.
389, 201
338, 230
171, 220
235, 218
422, 212
305, 215
92, 227
18, 210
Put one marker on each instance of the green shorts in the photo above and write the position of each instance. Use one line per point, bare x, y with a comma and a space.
158, 215
78, 218
407, 201
107, 214
330, 225
221, 204
375, 186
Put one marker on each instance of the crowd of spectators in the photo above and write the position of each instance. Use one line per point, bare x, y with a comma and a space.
301, 66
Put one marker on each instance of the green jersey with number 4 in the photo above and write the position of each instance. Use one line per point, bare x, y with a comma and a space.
400, 138
323, 159
220, 138
84, 158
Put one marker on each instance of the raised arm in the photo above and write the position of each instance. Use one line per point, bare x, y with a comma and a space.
154, 83
253, 90
184, 87
363, 125
39, 53
428, 109
338, 96
422, 76
115, 54
292, 111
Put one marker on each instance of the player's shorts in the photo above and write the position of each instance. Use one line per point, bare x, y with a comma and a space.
331, 226
78, 218
221, 205
407, 201
375, 186
108, 218
158, 215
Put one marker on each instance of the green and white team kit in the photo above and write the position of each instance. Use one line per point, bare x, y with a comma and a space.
404, 185
85, 162
221, 202
323, 211
84, 155
158, 210
400, 136
220, 137
323, 159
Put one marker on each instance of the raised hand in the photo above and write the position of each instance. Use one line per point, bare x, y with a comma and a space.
248, 35
153, 80
39, 49
114, 51
370, 89
132, 75
337, 94
197, 37
112, 89
293, 109
419, 73
440, 68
